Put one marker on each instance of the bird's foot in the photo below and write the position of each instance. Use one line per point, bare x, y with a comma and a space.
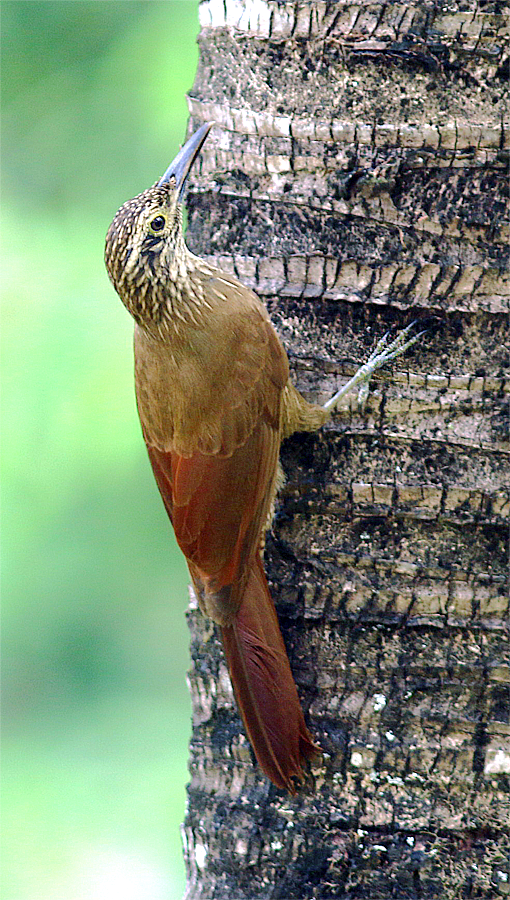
383, 353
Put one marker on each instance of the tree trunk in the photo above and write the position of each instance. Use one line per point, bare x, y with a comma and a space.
356, 181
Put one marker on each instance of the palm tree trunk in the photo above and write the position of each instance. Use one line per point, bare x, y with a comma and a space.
356, 180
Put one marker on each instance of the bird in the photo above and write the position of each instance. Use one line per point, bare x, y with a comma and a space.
215, 401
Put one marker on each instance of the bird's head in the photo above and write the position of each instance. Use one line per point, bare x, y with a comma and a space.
144, 244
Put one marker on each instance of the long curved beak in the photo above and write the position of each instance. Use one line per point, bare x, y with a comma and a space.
180, 167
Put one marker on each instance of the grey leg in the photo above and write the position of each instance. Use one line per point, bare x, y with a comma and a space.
383, 353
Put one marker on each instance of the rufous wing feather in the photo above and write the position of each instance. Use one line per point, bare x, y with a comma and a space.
217, 506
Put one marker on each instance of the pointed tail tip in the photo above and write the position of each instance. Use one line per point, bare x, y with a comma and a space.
266, 694
293, 780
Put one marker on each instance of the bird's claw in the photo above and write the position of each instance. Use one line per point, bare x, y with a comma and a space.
363, 393
382, 354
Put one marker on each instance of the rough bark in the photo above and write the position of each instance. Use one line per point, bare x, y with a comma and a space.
356, 180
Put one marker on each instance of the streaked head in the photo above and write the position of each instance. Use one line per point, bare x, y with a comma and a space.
146, 233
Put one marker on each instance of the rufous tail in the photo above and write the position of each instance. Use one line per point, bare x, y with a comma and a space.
264, 687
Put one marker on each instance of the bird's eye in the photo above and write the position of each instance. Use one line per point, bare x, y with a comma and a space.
157, 223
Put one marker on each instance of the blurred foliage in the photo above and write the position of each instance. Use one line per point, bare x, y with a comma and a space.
95, 707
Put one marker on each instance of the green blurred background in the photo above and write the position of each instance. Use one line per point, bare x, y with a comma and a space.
96, 715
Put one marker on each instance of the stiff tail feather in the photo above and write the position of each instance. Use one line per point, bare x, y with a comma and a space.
265, 690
